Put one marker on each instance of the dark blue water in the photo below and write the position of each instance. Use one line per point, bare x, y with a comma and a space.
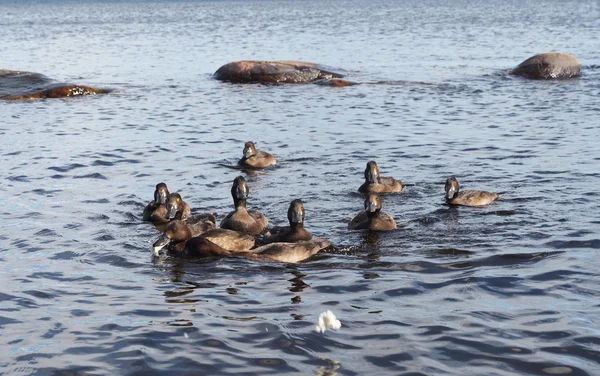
507, 289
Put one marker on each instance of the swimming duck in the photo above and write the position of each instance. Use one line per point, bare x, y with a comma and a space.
376, 183
248, 221
183, 213
254, 158
469, 197
372, 218
156, 210
180, 237
282, 252
287, 252
295, 232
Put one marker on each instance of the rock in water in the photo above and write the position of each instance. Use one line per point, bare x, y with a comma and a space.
256, 71
548, 66
17, 85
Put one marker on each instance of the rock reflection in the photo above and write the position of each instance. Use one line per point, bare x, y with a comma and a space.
371, 275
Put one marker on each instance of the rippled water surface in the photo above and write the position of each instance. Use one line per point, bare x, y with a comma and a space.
503, 290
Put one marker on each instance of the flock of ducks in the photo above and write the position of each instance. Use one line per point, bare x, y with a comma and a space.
245, 232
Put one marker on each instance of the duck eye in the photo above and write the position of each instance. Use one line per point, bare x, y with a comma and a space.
178, 200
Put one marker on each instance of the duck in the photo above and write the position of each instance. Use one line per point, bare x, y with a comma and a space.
175, 204
156, 210
295, 232
468, 197
372, 218
243, 220
291, 253
183, 212
254, 158
376, 183
180, 237
198, 223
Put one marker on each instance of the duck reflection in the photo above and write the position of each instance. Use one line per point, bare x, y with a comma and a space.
371, 244
298, 285
329, 369
449, 216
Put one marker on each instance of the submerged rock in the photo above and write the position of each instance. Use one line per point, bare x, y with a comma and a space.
257, 71
17, 85
547, 66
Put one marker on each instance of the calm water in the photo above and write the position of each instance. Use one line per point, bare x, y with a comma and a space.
508, 289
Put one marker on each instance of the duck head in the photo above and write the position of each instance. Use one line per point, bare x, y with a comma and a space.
239, 189
249, 149
175, 232
452, 188
372, 204
161, 193
174, 204
296, 213
372, 172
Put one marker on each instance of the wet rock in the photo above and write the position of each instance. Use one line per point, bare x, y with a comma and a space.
256, 71
335, 82
548, 66
17, 85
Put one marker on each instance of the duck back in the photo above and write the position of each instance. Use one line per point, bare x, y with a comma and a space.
250, 222
229, 239
290, 252
474, 198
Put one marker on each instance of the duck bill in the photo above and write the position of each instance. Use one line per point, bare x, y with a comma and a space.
297, 217
240, 192
371, 207
450, 193
159, 244
247, 153
171, 211
161, 197
371, 176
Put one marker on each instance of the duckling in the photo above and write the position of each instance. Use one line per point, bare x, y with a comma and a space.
468, 197
156, 210
248, 221
295, 232
376, 183
178, 235
372, 218
254, 158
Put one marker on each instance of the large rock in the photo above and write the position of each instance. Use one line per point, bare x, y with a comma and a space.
256, 71
547, 66
17, 85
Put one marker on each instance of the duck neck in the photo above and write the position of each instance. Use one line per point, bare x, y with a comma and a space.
239, 203
374, 214
296, 227
296, 233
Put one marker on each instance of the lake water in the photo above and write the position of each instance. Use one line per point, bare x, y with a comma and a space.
507, 289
